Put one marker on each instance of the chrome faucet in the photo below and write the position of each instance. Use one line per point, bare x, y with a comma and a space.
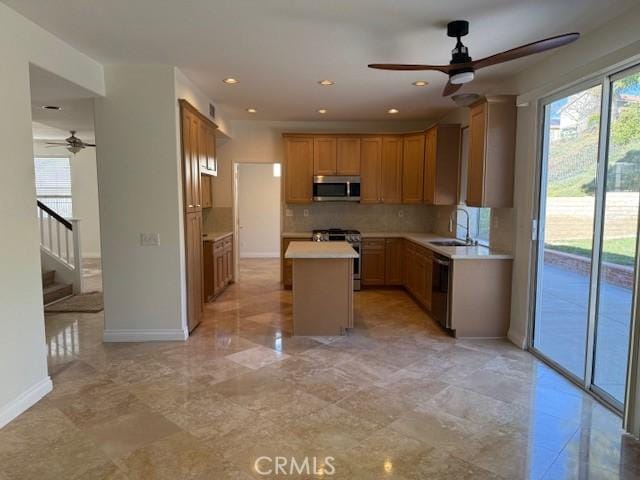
468, 240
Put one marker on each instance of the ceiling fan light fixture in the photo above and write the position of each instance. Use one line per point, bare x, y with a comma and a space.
461, 77
74, 149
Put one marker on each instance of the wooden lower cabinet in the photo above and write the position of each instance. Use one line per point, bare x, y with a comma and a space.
394, 261
373, 262
286, 264
218, 266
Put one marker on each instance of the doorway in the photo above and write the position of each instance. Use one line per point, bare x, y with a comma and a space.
588, 233
258, 212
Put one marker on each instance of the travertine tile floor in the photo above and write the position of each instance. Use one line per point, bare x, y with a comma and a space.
396, 398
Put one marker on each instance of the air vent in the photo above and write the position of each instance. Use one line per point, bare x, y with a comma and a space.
212, 111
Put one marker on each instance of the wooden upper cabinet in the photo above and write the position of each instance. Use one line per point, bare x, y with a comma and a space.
348, 160
208, 160
442, 165
325, 156
492, 129
298, 169
370, 169
391, 171
413, 168
191, 161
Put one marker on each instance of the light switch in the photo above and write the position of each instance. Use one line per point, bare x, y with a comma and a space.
401, 213
149, 239
306, 212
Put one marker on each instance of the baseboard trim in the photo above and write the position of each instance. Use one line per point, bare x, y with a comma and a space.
156, 335
260, 255
25, 400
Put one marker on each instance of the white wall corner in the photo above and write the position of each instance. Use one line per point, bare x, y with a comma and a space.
517, 339
25, 400
155, 335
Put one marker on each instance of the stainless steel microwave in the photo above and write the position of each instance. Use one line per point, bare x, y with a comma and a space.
334, 188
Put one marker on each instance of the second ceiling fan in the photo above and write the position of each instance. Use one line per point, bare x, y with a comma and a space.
462, 67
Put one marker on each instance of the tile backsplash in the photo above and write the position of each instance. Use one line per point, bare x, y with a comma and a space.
363, 217
217, 219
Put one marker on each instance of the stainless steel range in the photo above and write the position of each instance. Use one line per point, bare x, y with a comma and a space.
339, 235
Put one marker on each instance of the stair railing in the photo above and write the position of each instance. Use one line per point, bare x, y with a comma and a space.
60, 238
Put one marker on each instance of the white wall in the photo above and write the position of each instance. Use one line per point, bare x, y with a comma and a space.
258, 211
84, 192
140, 192
22, 342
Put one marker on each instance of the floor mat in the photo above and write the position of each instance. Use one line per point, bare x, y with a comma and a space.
85, 303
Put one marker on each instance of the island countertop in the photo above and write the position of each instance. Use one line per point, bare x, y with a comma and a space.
320, 250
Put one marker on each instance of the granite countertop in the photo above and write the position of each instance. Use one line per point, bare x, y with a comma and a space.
320, 250
215, 236
473, 252
456, 253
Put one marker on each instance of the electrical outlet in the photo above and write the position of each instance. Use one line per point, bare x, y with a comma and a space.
149, 239
288, 212
401, 213
305, 212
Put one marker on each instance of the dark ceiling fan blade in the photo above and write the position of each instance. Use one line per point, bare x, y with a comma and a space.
399, 66
89, 144
450, 89
525, 50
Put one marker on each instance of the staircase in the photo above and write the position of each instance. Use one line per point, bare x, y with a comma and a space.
59, 254
52, 290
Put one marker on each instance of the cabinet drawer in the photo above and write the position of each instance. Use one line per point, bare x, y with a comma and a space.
373, 244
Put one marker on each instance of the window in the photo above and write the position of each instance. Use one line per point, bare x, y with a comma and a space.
53, 184
479, 218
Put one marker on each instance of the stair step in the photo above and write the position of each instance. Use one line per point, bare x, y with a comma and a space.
48, 278
56, 291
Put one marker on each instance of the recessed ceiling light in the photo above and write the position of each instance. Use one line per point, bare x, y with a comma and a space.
230, 81
393, 111
51, 107
326, 83
322, 111
420, 83
251, 110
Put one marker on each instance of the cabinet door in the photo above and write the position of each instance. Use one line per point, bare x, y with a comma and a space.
212, 160
205, 191
394, 261
430, 166
428, 281
194, 268
208, 277
391, 172
324, 156
475, 168
372, 263
370, 169
348, 156
413, 168
298, 171
190, 160
421, 278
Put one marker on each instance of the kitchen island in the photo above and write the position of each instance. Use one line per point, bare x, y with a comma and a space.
322, 287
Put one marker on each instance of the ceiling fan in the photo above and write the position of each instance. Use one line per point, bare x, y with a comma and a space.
73, 143
462, 68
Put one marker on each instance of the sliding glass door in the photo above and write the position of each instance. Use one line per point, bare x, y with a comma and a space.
587, 235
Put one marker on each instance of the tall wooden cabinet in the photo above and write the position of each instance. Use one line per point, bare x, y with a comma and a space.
492, 127
370, 169
413, 168
298, 169
197, 133
442, 165
391, 169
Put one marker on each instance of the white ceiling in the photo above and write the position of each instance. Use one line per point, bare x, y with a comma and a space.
76, 103
279, 49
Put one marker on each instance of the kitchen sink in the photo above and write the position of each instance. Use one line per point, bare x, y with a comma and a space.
449, 243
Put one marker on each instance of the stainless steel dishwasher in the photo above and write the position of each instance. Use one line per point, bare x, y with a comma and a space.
440, 289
